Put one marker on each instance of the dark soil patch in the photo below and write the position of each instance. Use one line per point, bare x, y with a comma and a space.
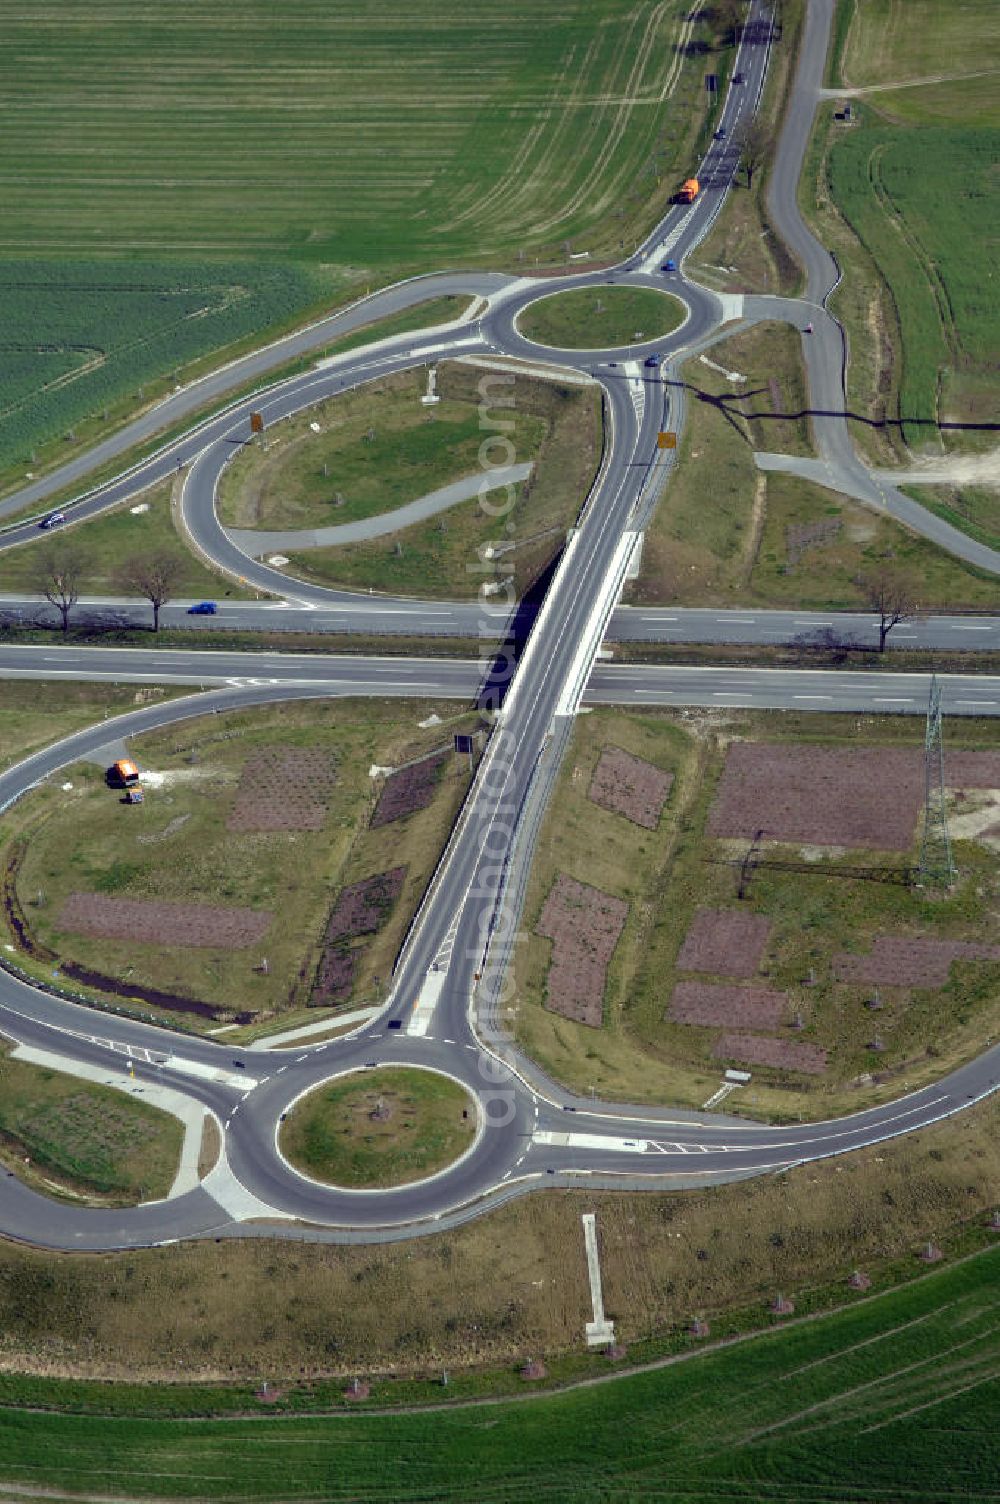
907, 961
725, 942
410, 789
148, 922
785, 1054
712, 1006
832, 796
361, 909
284, 788
584, 925
628, 786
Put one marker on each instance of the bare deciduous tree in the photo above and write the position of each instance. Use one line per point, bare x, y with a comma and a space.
60, 570
153, 575
891, 596
755, 143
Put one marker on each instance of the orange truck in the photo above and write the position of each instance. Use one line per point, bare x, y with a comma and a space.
124, 773
689, 191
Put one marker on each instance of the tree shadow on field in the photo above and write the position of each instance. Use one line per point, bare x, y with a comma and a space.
729, 404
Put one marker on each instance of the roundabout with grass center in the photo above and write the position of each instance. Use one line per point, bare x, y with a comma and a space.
600, 318
377, 1128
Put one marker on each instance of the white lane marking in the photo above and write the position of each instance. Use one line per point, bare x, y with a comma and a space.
812, 697
975, 702
901, 700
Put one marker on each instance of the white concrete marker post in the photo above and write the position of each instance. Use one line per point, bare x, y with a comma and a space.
600, 1331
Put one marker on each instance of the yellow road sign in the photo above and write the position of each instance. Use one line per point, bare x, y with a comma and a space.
666, 439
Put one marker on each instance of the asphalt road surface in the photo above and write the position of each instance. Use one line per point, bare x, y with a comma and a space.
532, 1133
375, 616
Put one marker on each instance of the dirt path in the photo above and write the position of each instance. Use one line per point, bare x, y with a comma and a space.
952, 469
905, 83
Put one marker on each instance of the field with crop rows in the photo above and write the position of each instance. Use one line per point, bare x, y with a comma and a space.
895, 1399
81, 335
922, 204
379, 132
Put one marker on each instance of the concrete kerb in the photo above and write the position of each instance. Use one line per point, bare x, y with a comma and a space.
361, 1070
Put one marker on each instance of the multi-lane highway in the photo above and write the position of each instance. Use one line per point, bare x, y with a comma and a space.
349, 615
439, 1012
466, 679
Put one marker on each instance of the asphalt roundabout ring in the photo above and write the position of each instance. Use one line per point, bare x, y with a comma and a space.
379, 1127
602, 317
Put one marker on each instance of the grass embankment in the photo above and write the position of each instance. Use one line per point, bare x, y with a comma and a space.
379, 1128
742, 252
178, 848
480, 1298
725, 533
600, 318
73, 1137
104, 544
901, 195
33, 714
639, 1054
561, 426
893, 1388
974, 509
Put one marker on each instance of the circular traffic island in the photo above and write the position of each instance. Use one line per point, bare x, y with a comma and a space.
600, 318
379, 1127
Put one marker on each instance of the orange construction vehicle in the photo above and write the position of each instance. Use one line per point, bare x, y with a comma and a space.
123, 774
689, 191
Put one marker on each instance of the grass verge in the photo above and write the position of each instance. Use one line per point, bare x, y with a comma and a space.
379, 1128
214, 1319
75, 1138
35, 713
105, 543
769, 539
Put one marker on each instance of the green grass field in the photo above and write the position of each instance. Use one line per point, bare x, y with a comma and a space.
379, 1128
182, 183
60, 1132
921, 204
895, 1399
379, 449
600, 318
560, 427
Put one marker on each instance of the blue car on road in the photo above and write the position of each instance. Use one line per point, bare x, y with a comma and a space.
203, 608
